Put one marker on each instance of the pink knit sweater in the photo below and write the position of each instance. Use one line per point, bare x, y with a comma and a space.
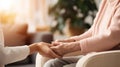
105, 32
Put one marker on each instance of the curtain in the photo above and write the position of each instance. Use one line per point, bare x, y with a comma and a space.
16, 10
35, 12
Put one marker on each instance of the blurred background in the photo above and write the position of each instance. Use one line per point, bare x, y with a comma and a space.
50, 15
28, 21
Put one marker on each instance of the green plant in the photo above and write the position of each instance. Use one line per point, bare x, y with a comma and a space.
75, 10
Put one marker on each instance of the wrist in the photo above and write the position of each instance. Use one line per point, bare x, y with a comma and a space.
75, 46
33, 48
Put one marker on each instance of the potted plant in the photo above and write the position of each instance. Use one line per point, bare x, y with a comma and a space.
72, 14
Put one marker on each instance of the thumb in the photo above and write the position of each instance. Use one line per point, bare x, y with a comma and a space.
55, 43
60, 41
57, 51
53, 47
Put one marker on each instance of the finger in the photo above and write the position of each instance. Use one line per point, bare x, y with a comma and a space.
51, 54
54, 55
61, 41
55, 43
55, 49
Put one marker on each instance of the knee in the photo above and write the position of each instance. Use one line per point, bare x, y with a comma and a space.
49, 63
53, 63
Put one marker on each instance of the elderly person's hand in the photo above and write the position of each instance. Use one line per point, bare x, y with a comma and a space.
66, 40
44, 49
64, 48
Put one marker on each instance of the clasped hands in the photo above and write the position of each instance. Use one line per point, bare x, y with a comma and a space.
57, 49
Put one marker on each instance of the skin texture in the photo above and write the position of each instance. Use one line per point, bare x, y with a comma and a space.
43, 49
57, 49
62, 47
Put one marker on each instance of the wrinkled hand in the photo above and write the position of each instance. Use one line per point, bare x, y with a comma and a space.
66, 40
44, 50
60, 49
64, 48
56, 42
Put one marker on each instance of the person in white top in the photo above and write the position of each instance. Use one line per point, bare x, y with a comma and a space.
13, 54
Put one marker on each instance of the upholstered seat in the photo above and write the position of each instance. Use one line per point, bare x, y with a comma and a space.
95, 59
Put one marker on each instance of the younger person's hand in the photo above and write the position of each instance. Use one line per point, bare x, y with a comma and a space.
45, 50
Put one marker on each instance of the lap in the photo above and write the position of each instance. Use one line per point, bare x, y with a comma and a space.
65, 61
70, 65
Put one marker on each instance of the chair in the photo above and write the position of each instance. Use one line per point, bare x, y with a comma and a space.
95, 59
101, 59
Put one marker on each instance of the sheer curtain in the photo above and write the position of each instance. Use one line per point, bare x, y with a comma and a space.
38, 14
35, 12
20, 8
39, 11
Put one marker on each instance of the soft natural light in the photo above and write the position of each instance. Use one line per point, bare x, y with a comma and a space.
14, 5
6, 5
14, 10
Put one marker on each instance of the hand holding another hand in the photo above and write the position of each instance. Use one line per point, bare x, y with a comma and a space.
54, 50
44, 49
56, 42
61, 48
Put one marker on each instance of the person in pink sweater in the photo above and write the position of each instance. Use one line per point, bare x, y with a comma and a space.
103, 35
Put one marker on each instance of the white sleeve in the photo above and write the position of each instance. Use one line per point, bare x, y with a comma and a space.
13, 54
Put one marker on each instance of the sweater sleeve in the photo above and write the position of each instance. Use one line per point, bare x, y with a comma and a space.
106, 40
13, 54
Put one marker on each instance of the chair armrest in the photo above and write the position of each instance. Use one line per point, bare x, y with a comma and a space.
100, 59
40, 60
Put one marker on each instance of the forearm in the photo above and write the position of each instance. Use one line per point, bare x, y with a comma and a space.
98, 43
13, 54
